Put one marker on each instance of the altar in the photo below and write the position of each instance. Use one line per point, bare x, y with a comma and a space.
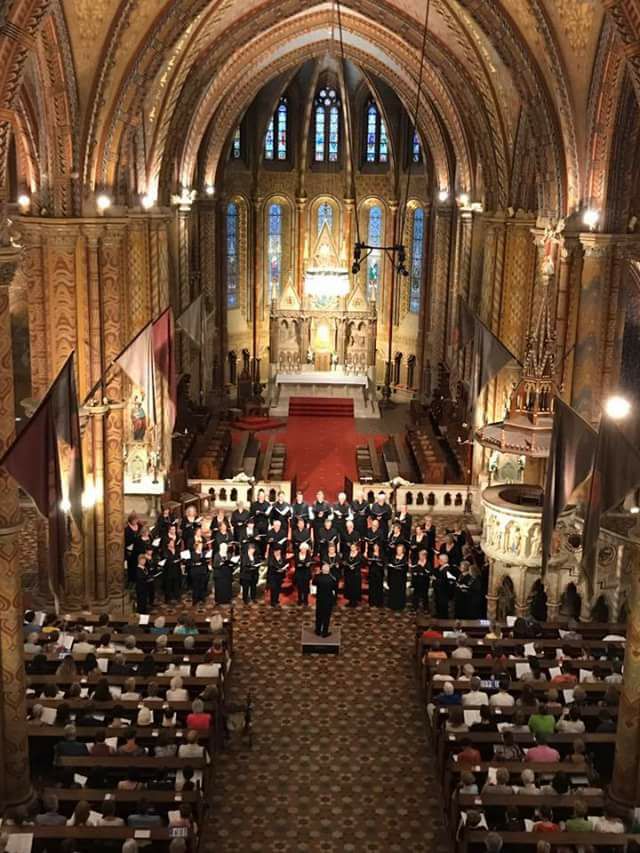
337, 383
324, 324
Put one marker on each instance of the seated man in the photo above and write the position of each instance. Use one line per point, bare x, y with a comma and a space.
144, 817
50, 816
475, 696
70, 746
502, 699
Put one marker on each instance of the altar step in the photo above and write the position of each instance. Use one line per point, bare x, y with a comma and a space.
321, 407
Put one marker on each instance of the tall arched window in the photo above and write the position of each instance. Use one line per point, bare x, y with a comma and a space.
325, 214
235, 145
327, 126
377, 141
277, 137
417, 261
416, 148
374, 259
233, 265
275, 250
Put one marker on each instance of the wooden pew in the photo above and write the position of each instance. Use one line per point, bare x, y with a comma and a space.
93, 833
446, 743
479, 627
531, 839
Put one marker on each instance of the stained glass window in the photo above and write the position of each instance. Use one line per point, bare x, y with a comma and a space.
320, 138
383, 147
417, 257
416, 150
372, 133
325, 214
377, 140
276, 139
334, 134
269, 140
232, 255
374, 259
327, 126
282, 130
275, 250
235, 145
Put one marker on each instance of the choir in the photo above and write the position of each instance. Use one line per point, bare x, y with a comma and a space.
265, 540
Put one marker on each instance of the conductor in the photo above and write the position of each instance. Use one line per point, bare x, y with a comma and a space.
325, 599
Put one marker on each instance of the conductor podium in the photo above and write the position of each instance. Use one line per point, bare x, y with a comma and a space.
314, 645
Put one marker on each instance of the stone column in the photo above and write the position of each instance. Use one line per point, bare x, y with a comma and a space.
301, 203
590, 332
440, 295
15, 783
625, 783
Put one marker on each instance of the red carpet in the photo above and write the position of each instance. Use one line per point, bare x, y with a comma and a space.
323, 407
321, 452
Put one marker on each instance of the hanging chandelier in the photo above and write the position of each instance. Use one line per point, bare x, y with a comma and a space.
326, 282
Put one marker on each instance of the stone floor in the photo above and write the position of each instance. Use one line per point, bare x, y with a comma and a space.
340, 761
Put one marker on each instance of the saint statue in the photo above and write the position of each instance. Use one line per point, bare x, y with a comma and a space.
138, 419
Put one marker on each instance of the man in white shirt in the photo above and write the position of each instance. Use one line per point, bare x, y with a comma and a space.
208, 669
609, 822
502, 699
461, 651
616, 674
32, 647
475, 696
82, 646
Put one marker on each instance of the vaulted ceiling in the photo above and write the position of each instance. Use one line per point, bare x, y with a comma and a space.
146, 92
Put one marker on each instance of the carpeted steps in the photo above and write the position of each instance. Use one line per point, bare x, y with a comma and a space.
256, 423
321, 407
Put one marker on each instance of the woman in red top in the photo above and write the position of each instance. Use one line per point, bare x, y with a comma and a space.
198, 719
545, 822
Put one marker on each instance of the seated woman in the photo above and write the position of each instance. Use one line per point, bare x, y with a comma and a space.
191, 748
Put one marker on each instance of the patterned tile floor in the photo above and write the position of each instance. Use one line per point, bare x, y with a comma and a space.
340, 761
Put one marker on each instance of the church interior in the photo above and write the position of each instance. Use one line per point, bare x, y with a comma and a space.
319, 309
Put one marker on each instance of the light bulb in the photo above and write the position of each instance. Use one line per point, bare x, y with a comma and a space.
634, 510
463, 198
617, 408
591, 217
443, 195
65, 505
23, 200
147, 201
103, 202
209, 189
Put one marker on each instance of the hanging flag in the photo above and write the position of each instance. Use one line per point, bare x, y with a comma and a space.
33, 461
571, 456
163, 348
490, 355
67, 425
190, 321
616, 472
138, 362
466, 324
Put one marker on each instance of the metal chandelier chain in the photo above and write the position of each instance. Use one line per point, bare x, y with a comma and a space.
403, 213
347, 109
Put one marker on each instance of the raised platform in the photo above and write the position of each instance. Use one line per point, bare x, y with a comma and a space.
314, 645
325, 384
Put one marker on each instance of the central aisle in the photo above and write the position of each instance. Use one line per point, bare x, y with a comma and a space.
339, 760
